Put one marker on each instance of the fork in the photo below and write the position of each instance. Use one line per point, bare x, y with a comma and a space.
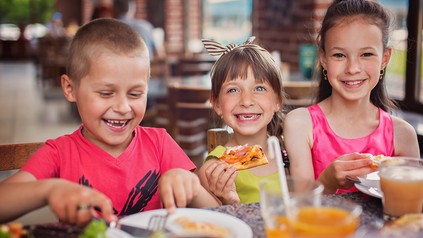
157, 222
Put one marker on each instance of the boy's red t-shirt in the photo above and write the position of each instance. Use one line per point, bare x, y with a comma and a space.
130, 181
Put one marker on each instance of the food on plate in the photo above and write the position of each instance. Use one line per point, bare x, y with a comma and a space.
95, 229
408, 225
244, 156
12, 230
201, 228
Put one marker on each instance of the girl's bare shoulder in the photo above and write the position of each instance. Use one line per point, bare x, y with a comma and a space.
298, 114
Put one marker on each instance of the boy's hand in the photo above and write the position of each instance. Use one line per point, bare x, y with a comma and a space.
75, 204
178, 187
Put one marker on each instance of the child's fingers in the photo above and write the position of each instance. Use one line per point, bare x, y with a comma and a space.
166, 194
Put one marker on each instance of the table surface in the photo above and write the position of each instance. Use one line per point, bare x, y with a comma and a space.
371, 219
370, 223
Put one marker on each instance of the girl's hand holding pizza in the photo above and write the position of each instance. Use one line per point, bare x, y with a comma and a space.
352, 165
221, 177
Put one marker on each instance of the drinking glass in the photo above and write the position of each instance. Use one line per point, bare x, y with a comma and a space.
273, 209
334, 218
401, 181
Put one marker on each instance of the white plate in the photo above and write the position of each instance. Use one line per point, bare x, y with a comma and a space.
370, 184
237, 227
372, 191
370, 180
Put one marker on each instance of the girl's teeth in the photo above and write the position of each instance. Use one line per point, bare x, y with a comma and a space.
247, 117
116, 123
353, 83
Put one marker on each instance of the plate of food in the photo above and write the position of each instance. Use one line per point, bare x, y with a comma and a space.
195, 223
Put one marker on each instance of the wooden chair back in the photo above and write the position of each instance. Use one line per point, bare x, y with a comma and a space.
186, 115
300, 93
217, 136
192, 123
14, 156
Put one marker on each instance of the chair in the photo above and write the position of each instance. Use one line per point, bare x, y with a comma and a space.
217, 136
300, 93
14, 156
186, 115
192, 120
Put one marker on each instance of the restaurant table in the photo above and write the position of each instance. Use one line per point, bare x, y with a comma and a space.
370, 223
371, 218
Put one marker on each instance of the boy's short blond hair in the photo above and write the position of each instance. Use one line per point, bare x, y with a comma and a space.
104, 35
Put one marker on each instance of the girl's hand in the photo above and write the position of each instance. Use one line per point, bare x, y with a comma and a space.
75, 204
221, 181
348, 165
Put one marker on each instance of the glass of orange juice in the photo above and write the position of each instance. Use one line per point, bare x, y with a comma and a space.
273, 209
401, 181
335, 218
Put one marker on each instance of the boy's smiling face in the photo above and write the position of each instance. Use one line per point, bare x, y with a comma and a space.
112, 100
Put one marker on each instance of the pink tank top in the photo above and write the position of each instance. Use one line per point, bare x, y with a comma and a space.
327, 146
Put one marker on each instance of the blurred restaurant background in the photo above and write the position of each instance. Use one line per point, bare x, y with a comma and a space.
35, 34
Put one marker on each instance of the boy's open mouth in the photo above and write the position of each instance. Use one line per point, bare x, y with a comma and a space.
116, 123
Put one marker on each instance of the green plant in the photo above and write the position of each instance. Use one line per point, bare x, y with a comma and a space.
26, 11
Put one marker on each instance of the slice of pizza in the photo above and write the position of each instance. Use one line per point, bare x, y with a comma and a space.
244, 156
377, 159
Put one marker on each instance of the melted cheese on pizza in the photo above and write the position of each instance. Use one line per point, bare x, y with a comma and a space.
242, 154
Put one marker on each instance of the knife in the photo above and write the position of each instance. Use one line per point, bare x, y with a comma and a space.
135, 231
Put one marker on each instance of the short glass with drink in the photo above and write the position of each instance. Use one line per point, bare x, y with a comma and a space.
334, 218
273, 209
401, 181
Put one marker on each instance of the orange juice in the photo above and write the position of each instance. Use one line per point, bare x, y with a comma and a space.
280, 230
402, 188
328, 222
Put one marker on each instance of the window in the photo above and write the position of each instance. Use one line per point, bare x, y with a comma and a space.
404, 73
227, 21
395, 72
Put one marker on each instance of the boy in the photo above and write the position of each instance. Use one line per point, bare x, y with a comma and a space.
119, 162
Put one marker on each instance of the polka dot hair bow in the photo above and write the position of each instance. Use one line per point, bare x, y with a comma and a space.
216, 49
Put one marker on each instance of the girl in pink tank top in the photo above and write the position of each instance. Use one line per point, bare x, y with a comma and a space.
332, 140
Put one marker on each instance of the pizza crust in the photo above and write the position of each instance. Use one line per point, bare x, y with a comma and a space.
244, 156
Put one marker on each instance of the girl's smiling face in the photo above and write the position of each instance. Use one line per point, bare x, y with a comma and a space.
247, 105
112, 99
354, 56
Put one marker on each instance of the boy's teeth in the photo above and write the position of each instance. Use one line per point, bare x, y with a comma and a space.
116, 123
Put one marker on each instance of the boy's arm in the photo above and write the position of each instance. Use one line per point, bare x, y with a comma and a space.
182, 188
65, 199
